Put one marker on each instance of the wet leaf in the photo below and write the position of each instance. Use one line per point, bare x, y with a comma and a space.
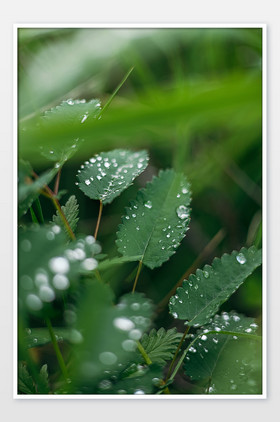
106, 175
201, 295
226, 363
156, 222
71, 211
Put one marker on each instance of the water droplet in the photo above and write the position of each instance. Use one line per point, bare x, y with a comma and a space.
172, 300
138, 228
87, 182
70, 102
184, 191
56, 229
129, 345
59, 265
135, 334
70, 317
75, 336
105, 385
248, 330
182, 212
60, 282
175, 315
192, 349
135, 306
178, 196
236, 318
215, 340
204, 337
85, 116
26, 245
34, 302
241, 258
206, 274
139, 392
46, 293
89, 264
148, 204
133, 215
123, 324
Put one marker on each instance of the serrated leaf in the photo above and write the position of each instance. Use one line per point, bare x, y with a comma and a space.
25, 381
227, 363
108, 174
161, 345
110, 333
29, 189
48, 268
202, 294
156, 222
71, 211
44, 387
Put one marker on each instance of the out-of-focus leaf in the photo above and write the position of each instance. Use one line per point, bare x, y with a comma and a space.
25, 381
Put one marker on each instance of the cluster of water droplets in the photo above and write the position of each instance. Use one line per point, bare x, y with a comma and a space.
109, 173
44, 283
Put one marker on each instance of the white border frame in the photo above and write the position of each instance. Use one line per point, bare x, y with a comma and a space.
264, 210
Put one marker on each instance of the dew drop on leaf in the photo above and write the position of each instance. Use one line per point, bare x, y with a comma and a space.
148, 204
241, 258
182, 212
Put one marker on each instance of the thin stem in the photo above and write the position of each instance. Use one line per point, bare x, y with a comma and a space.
33, 216
137, 276
57, 180
144, 353
98, 219
176, 354
115, 92
219, 236
57, 350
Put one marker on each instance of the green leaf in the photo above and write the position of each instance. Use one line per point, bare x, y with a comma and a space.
144, 380
29, 189
36, 337
226, 363
44, 387
109, 333
48, 268
25, 381
202, 294
71, 211
161, 345
108, 174
156, 222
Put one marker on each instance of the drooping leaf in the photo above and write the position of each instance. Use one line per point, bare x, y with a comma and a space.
156, 222
25, 381
143, 380
161, 345
71, 211
202, 294
110, 334
226, 363
28, 188
108, 174
47, 268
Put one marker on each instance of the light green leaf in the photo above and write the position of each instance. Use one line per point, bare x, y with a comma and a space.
71, 211
48, 268
106, 175
161, 345
227, 363
202, 294
156, 222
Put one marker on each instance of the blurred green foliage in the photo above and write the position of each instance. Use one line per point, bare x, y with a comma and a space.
193, 100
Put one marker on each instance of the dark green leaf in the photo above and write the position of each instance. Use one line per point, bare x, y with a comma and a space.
226, 363
161, 345
25, 381
108, 174
157, 221
202, 294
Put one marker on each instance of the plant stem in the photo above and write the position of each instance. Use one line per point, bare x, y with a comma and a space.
176, 354
98, 219
144, 353
115, 92
33, 216
57, 350
137, 276
57, 180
